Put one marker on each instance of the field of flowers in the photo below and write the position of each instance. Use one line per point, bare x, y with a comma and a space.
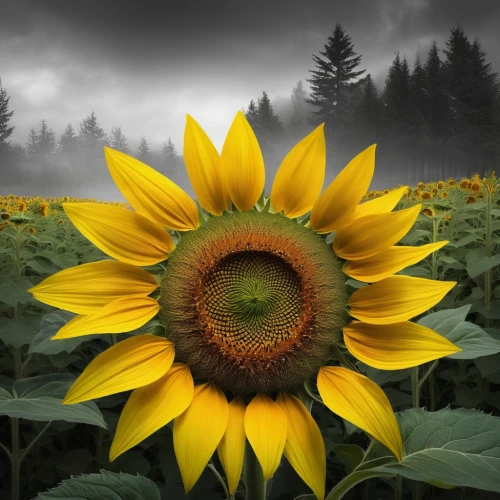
44, 442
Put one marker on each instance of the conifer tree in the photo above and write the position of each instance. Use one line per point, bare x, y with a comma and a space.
92, 137
396, 96
32, 149
299, 121
169, 150
438, 102
5, 129
46, 140
418, 101
368, 112
5, 116
68, 142
118, 141
252, 115
334, 80
144, 153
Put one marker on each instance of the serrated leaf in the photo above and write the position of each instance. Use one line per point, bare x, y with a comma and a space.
40, 398
471, 338
104, 486
457, 447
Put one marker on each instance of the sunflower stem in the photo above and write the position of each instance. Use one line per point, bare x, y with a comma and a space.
488, 283
211, 466
254, 478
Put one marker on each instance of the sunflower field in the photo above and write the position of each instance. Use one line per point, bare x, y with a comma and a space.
288, 345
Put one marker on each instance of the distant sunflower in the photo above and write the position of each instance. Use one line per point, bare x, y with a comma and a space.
253, 301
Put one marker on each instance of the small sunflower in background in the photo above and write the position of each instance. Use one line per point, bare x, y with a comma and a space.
253, 300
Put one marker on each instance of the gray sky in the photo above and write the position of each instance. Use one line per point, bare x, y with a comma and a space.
144, 65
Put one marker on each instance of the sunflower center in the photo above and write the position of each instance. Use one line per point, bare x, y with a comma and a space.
253, 301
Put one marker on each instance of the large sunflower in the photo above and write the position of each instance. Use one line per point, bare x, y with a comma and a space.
253, 301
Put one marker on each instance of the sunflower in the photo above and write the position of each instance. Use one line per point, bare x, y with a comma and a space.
253, 301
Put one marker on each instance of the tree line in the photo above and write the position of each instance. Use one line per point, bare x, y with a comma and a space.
439, 118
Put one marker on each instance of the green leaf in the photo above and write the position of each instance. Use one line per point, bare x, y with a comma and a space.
479, 265
40, 398
49, 326
104, 486
457, 447
20, 331
471, 338
12, 292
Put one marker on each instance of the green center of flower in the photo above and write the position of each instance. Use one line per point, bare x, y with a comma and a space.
253, 301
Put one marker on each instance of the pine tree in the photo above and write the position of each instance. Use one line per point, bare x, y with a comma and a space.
46, 140
252, 115
368, 112
418, 101
32, 143
483, 97
68, 142
144, 154
334, 81
299, 121
118, 140
92, 137
5, 116
169, 150
438, 102
396, 96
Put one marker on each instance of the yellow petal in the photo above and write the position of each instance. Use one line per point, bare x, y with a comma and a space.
151, 407
396, 346
265, 427
362, 402
379, 205
132, 363
304, 447
300, 177
388, 261
336, 205
243, 164
122, 315
150, 193
374, 233
87, 288
203, 166
198, 431
397, 298
231, 449
121, 233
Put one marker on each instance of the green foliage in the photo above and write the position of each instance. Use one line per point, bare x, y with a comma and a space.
104, 486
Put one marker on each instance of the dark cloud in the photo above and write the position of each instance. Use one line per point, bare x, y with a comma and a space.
144, 65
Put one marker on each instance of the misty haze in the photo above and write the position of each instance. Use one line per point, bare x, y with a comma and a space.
418, 82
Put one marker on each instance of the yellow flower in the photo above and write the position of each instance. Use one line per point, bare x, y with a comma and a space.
464, 183
444, 195
470, 199
440, 184
22, 206
476, 183
421, 185
426, 195
451, 181
252, 300
43, 209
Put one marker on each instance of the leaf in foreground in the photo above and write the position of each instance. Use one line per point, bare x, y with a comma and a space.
40, 398
471, 338
104, 486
